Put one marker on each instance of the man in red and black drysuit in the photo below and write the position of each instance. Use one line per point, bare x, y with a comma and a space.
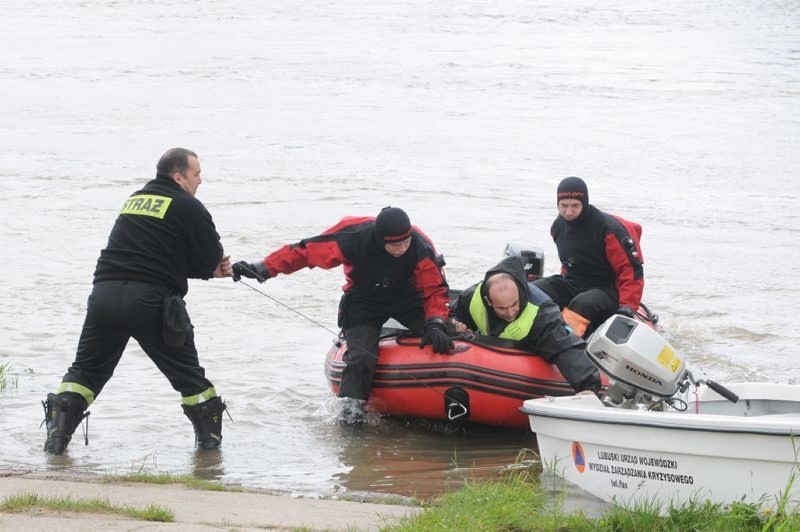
391, 271
601, 261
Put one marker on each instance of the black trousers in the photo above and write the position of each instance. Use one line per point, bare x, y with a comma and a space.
119, 310
594, 304
361, 320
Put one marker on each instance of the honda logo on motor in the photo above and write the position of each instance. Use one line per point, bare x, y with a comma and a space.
643, 375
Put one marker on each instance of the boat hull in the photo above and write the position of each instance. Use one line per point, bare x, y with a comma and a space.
473, 384
714, 451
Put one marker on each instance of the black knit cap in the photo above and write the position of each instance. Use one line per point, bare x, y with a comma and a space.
392, 225
573, 188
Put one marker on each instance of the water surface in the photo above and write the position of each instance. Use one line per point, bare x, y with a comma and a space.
683, 116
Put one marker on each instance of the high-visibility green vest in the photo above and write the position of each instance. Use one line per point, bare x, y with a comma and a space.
515, 330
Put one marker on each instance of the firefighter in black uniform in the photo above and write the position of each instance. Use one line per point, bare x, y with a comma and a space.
392, 272
162, 236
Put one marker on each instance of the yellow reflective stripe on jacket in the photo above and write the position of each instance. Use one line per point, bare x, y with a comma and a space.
202, 397
147, 205
77, 388
516, 330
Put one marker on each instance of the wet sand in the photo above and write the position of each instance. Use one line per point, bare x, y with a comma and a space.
194, 510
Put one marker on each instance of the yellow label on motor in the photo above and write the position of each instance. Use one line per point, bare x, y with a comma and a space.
147, 205
668, 359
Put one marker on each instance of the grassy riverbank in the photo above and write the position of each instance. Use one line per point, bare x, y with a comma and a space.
517, 502
514, 502
97, 505
45, 501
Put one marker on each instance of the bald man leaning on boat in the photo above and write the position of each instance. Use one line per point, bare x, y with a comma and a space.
504, 305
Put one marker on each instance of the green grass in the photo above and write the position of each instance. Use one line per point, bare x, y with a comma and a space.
20, 503
165, 478
517, 502
7, 381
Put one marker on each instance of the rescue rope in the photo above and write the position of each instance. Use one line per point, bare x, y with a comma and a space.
287, 307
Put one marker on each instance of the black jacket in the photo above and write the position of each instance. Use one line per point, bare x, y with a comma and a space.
596, 250
548, 337
371, 272
163, 235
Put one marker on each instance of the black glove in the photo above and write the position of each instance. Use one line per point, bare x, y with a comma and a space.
592, 384
251, 270
625, 311
436, 336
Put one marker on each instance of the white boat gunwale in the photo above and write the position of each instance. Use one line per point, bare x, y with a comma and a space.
674, 422
768, 409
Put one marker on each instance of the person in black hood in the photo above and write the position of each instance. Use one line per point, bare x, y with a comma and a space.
601, 261
505, 306
162, 236
392, 271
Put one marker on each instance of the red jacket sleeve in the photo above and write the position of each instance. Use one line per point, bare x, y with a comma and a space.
293, 257
430, 281
629, 284
317, 252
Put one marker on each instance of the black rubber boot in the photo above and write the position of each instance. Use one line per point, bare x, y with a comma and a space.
62, 414
206, 418
353, 411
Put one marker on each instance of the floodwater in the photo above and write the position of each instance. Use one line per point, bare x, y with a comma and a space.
683, 116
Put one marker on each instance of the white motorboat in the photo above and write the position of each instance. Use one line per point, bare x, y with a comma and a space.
664, 435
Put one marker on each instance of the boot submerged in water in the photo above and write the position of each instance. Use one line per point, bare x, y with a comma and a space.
353, 411
206, 418
62, 414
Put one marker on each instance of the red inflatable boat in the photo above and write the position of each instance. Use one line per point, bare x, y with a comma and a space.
485, 380
482, 381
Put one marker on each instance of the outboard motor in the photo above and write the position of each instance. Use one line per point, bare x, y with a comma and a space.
532, 259
640, 364
643, 368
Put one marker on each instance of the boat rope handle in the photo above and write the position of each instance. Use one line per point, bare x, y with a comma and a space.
452, 406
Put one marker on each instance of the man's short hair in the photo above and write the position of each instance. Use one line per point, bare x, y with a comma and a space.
174, 160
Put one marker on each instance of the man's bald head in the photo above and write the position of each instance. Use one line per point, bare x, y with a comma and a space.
502, 295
